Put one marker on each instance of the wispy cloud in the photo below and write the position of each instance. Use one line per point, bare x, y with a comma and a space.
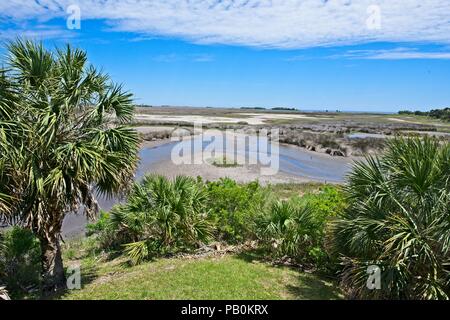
203, 58
394, 54
174, 57
35, 31
261, 23
171, 57
297, 58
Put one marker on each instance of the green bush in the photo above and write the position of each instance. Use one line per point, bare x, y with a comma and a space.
398, 218
325, 205
19, 261
105, 233
233, 208
100, 225
297, 228
286, 230
161, 216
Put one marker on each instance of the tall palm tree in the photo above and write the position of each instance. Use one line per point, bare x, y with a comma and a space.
63, 140
399, 219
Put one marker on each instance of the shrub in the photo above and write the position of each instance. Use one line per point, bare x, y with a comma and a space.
443, 114
234, 207
327, 141
161, 216
398, 218
297, 228
19, 261
325, 206
326, 203
100, 225
285, 230
106, 234
367, 144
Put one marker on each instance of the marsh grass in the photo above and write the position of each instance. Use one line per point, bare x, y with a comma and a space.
224, 162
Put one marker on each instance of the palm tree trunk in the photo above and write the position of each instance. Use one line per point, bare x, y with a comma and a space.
53, 275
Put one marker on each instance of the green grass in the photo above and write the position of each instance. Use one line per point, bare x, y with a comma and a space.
234, 277
289, 190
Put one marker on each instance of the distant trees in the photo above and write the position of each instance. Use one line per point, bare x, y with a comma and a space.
284, 109
443, 114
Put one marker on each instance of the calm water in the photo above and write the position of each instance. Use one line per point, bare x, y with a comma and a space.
292, 160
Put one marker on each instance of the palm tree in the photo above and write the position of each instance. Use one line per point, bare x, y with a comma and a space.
398, 219
286, 229
9, 131
63, 139
161, 215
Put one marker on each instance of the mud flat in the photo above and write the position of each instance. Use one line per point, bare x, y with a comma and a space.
248, 118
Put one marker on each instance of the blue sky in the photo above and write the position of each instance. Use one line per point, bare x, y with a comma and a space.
198, 58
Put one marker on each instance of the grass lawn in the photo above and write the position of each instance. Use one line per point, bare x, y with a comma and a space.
240, 276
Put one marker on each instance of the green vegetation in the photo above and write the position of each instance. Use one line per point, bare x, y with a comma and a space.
224, 162
394, 213
58, 140
65, 135
398, 219
247, 272
165, 217
19, 261
285, 191
160, 216
443, 114
234, 208
240, 276
189, 236
284, 109
287, 230
296, 228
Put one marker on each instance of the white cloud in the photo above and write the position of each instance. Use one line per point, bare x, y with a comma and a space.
260, 23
